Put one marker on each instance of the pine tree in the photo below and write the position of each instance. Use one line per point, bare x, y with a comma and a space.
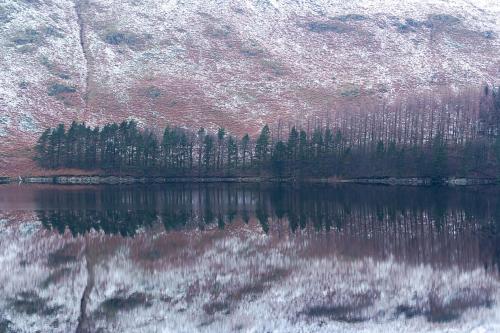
279, 158
150, 151
329, 141
167, 147
232, 153
317, 142
60, 138
208, 147
303, 146
221, 133
293, 144
439, 157
262, 145
200, 137
71, 139
42, 149
245, 145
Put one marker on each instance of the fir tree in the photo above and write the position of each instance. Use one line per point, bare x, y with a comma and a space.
262, 145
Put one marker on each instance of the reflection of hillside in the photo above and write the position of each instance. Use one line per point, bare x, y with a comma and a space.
417, 225
218, 259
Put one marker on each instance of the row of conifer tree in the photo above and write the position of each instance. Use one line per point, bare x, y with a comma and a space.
457, 137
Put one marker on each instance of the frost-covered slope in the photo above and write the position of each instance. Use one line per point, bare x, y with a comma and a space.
228, 63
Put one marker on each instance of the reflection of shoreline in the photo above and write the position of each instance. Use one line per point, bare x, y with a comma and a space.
420, 225
117, 180
414, 224
410, 241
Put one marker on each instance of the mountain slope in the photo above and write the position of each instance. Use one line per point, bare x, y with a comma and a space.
228, 63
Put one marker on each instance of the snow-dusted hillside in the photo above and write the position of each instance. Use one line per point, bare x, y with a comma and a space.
227, 63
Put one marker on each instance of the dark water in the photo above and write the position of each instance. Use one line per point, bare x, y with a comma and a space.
250, 258
417, 224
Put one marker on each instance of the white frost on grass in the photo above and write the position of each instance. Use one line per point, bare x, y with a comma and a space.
232, 63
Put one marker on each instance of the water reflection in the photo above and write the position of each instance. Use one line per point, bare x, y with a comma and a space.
225, 258
416, 224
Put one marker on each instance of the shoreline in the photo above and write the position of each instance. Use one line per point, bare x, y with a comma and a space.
129, 180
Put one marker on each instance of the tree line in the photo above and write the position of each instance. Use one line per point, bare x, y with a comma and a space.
453, 134
126, 147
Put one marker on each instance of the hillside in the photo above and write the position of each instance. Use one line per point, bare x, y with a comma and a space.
237, 64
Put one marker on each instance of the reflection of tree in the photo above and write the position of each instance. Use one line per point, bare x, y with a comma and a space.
439, 210
80, 222
243, 207
205, 200
397, 219
278, 200
262, 216
245, 216
490, 235
302, 219
175, 219
220, 222
293, 221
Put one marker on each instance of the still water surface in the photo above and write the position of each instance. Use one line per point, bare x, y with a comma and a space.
250, 258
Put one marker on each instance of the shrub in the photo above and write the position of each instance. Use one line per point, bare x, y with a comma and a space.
403, 28
352, 91
276, 67
219, 32
121, 38
58, 88
413, 23
64, 76
54, 32
351, 17
28, 36
437, 20
489, 34
26, 123
153, 92
326, 27
23, 85
251, 50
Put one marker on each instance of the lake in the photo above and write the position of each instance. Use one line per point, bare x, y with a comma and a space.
249, 258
